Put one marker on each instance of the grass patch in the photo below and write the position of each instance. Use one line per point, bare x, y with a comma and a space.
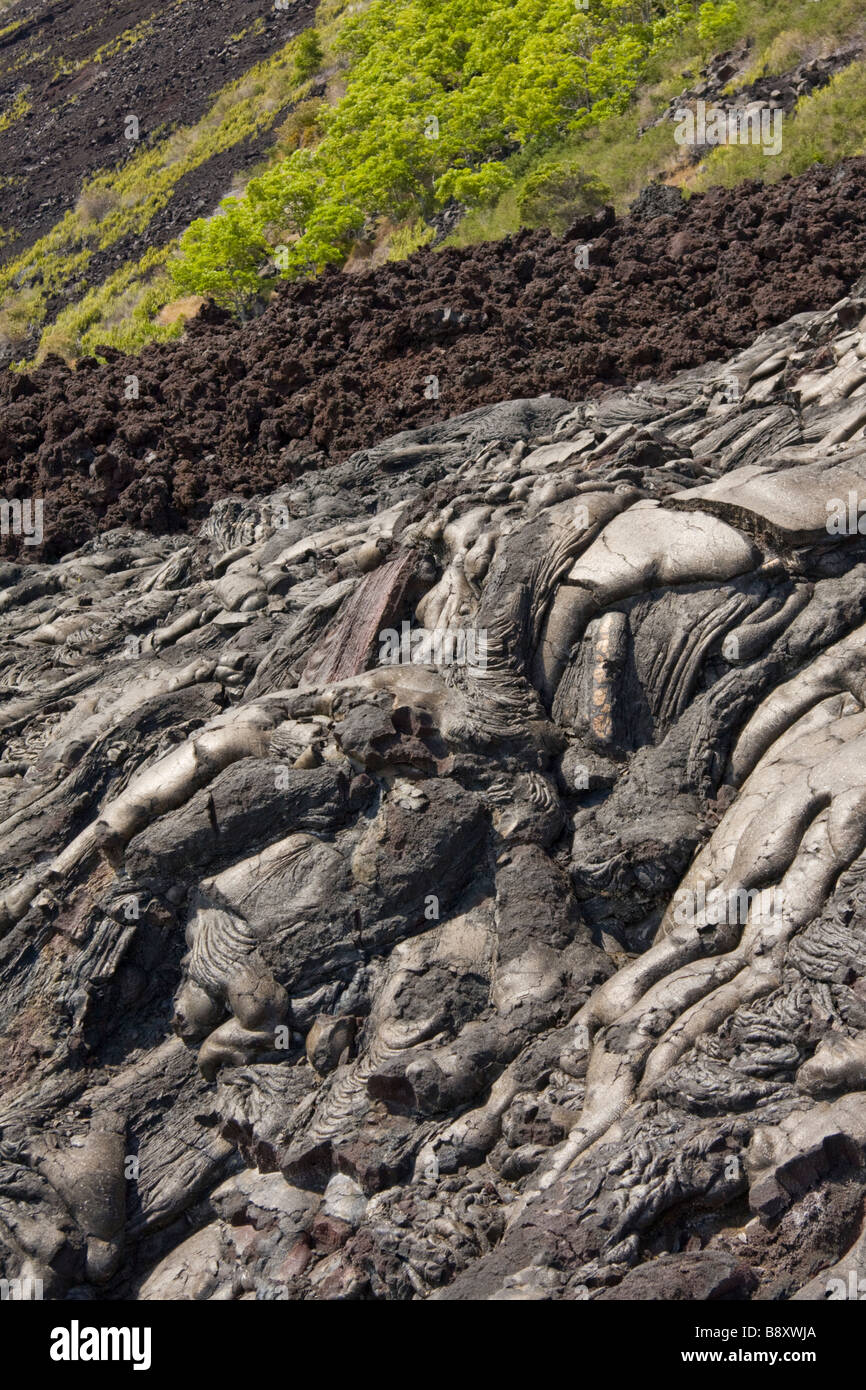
409, 238
121, 312
19, 108
18, 319
9, 28
825, 127
782, 38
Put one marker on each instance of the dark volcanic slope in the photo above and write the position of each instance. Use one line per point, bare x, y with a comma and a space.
77, 68
336, 364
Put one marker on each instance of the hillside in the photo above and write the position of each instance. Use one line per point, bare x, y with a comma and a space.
305, 138
119, 125
72, 73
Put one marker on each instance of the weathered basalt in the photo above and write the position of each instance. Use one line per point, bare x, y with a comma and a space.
330, 974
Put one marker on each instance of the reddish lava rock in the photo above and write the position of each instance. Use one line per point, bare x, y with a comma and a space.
329, 1233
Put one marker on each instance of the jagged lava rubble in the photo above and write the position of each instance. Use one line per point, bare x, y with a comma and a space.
338, 363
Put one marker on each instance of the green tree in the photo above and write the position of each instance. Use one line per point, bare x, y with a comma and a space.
553, 197
309, 56
717, 23
222, 257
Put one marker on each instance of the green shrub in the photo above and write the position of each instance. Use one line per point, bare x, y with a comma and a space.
474, 186
301, 127
718, 24
309, 55
95, 203
222, 257
553, 196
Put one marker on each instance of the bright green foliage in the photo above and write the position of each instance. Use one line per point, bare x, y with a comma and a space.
438, 94
554, 196
222, 257
473, 186
718, 24
309, 55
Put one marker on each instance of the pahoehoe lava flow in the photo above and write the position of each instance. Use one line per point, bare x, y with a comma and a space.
398, 976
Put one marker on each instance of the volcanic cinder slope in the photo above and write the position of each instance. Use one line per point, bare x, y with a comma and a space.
540, 975
78, 68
